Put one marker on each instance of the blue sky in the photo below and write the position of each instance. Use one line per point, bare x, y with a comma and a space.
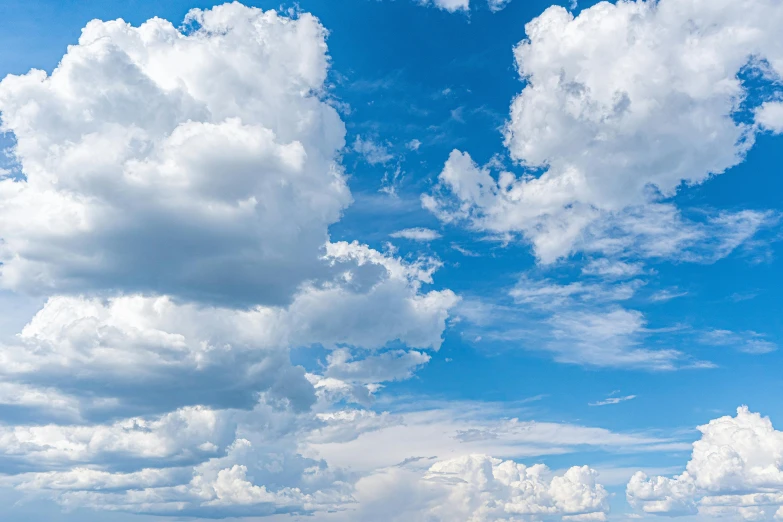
390, 241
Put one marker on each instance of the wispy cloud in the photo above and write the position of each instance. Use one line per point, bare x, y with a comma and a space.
748, 342
666, 295
612, 399
374, 153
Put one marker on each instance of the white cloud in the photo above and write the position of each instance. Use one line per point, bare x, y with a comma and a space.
484, 488
547, 295
186, 354
736, 469
373, 153
416, 234
653, 230
476, 488
609, 338
217, 488
178, 219
592, 108
414, 144
748, 342
666, 295
770, 116
176, 436
612, 399
452, 6
444, 431
389, 366
579, 323
147, 171
612, 268
497, 5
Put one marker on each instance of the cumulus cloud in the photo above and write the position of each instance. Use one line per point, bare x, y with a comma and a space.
177, 436
218, 488
188, 354
145, 170
622, 104
770, 116
173, 201
736, 469
478, 487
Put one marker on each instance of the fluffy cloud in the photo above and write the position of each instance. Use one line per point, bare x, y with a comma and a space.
178, 436
483, 489
189, 354
491, 489
118, 466
469, 192
736, 469
389, 366
173, 199
622, 104
144, 168
770, 116
218, 488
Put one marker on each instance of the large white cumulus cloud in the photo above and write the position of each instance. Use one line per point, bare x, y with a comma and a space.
622, 104
736, 469
199, 164
172, 199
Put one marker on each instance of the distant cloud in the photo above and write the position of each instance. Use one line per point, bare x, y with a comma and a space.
374, 153
414, 144
613, 268
497, 5
451, 6
666, 295
416, 234
464, 251
748, 341
612, 400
